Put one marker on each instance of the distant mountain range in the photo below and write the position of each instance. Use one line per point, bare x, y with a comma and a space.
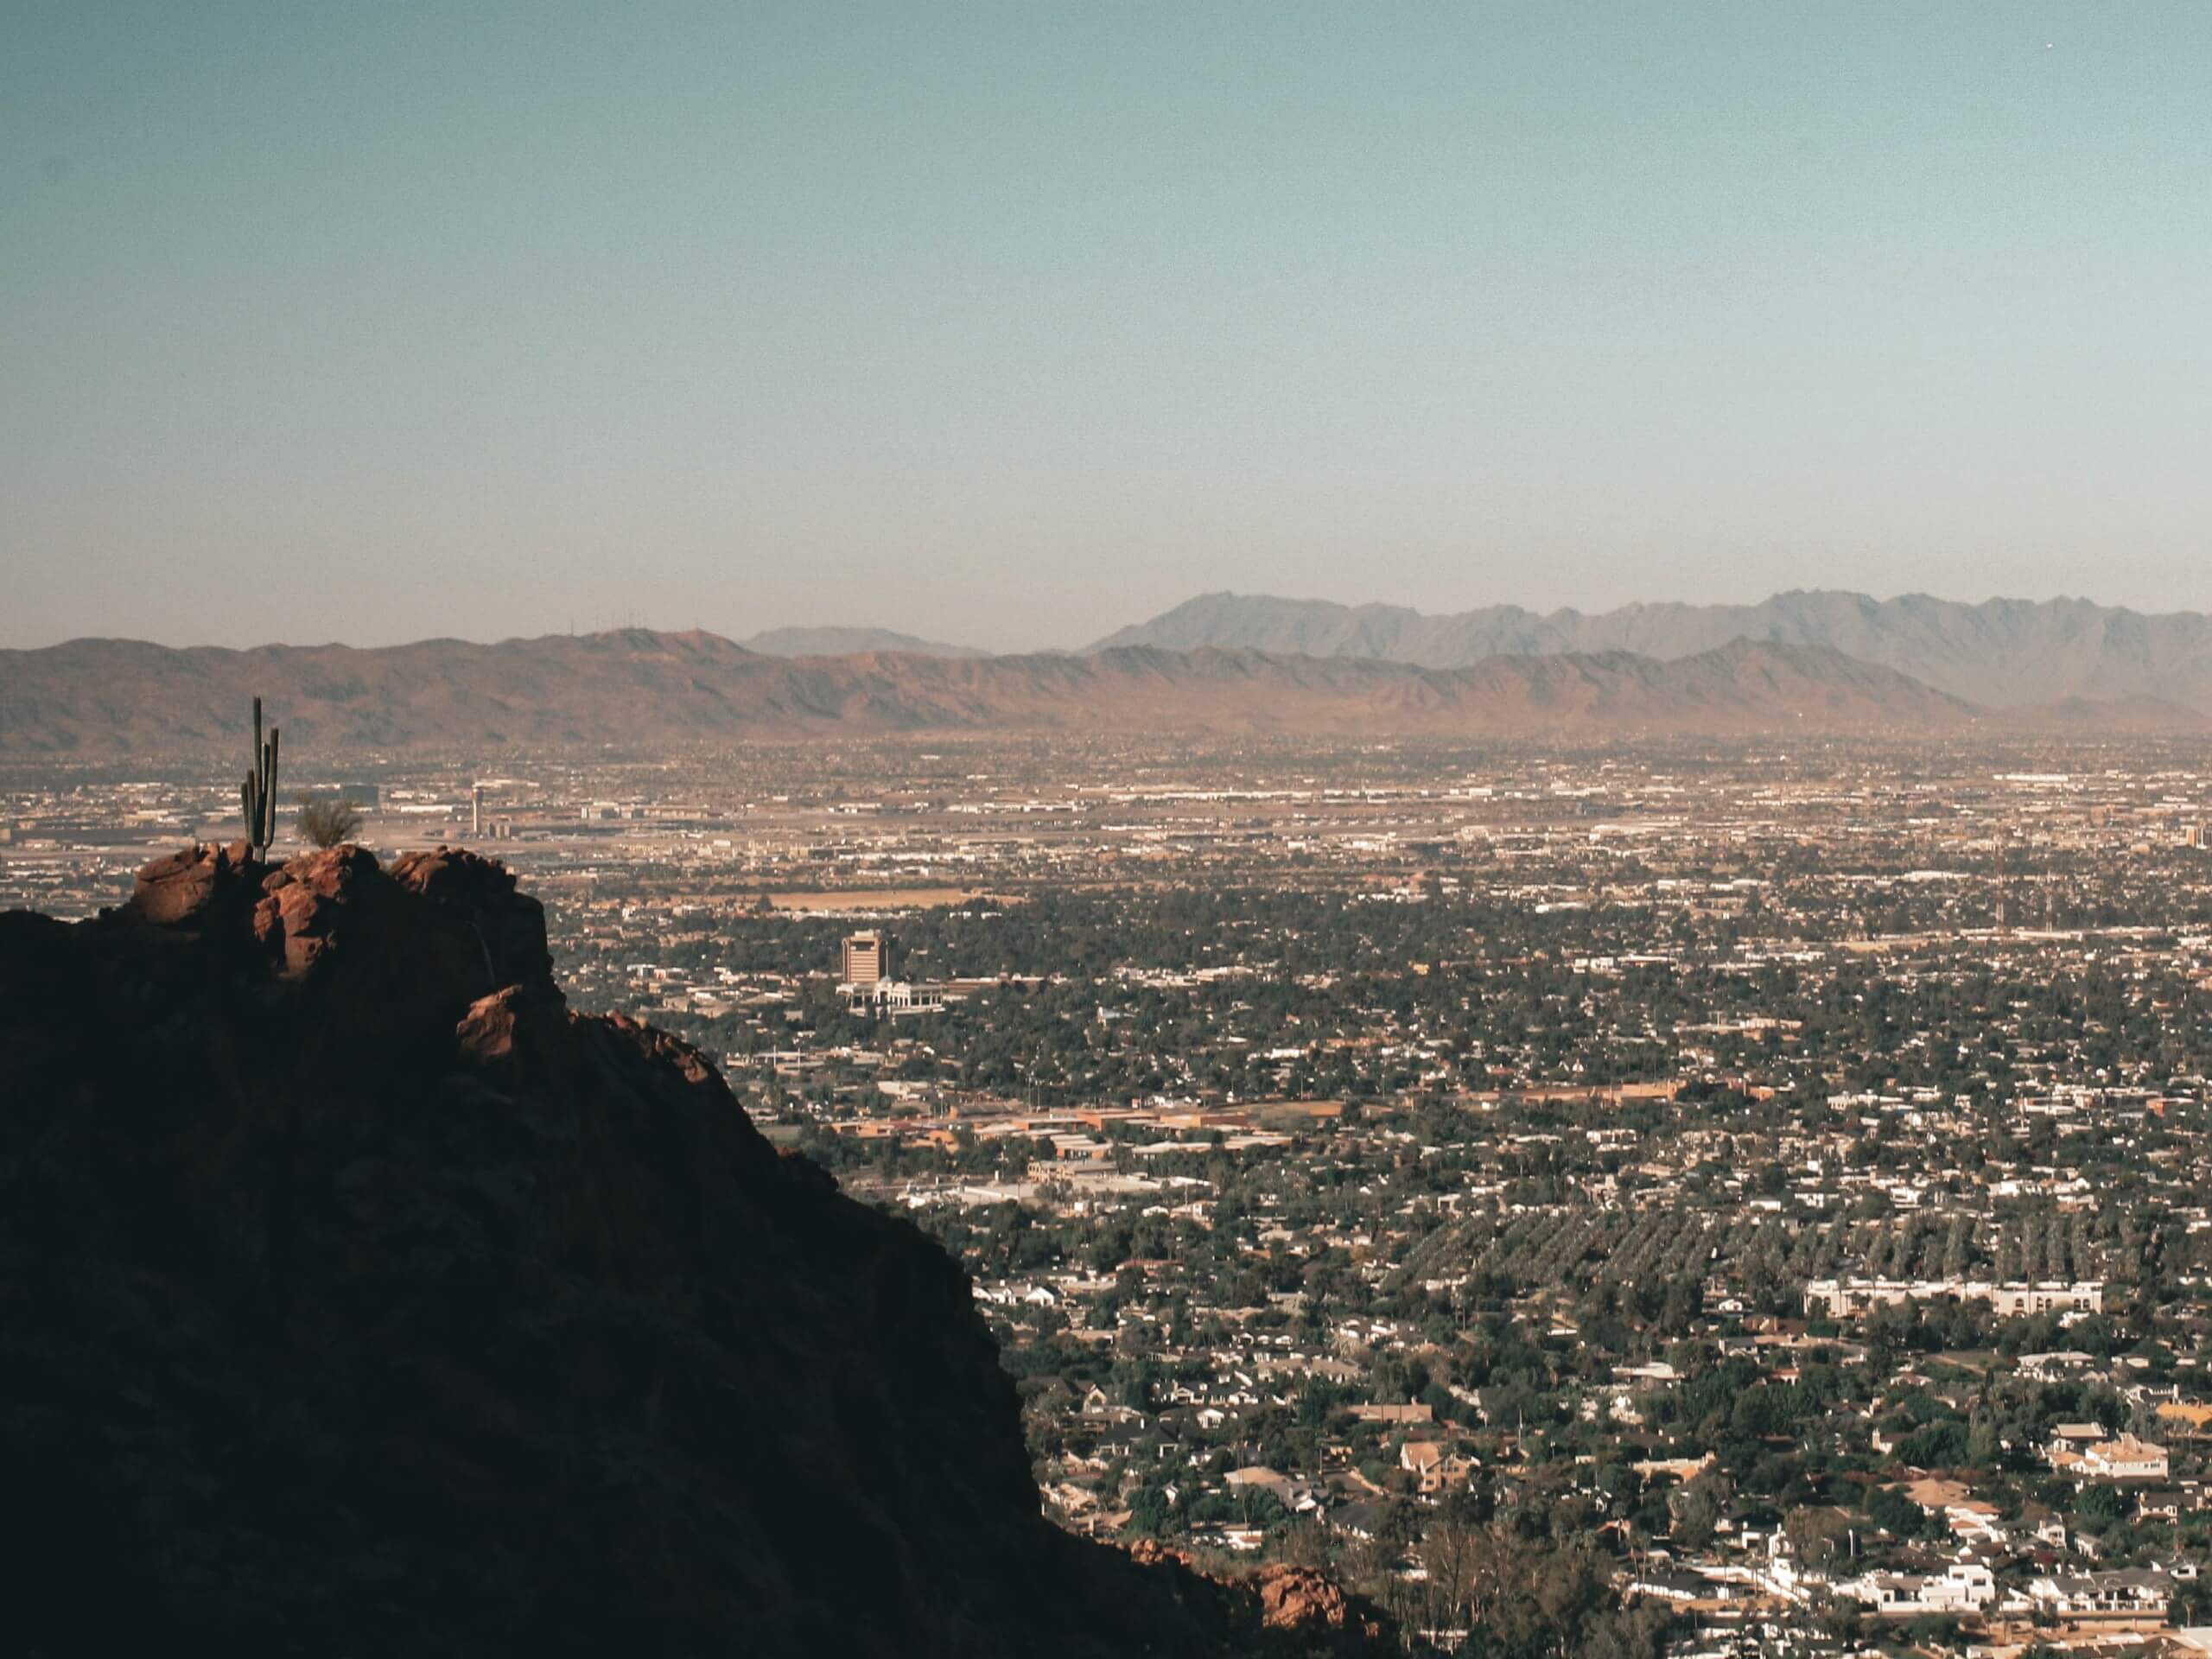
2002, 653
640, 691
847, 642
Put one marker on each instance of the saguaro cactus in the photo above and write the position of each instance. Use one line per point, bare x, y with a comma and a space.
258, 794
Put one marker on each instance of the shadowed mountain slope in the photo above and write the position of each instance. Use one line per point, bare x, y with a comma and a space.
357, 1296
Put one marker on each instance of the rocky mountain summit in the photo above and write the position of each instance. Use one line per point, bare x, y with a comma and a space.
358, 1296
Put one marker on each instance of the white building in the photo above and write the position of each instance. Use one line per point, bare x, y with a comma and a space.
1837, 1299
1962, 1587
2131, 1595
2122, 1457
896, 997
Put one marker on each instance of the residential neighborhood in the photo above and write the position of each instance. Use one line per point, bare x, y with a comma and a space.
1762, 1199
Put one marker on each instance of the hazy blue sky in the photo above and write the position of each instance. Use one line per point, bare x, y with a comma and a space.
1014, 323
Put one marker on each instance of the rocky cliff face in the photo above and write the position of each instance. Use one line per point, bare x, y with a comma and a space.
357, 1296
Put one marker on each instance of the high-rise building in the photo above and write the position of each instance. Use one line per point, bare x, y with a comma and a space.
476, 810
867, 957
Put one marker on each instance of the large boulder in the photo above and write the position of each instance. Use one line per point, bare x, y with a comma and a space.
187, 885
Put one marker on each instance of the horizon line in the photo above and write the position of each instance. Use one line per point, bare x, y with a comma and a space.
697, 630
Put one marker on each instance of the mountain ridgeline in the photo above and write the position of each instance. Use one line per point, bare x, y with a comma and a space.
638, 690
848, 642
2004, 653
1804, 662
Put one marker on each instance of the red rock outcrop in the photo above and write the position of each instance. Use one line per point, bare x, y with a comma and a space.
193, 881
1300, 1598
1300, 1605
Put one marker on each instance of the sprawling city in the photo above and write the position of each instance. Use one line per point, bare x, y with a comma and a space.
1010, 830
1717, 1198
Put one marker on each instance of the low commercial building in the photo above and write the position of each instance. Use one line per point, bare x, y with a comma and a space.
1837, 1299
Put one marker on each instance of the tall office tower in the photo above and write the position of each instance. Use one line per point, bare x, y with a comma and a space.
867, 957
476, 809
